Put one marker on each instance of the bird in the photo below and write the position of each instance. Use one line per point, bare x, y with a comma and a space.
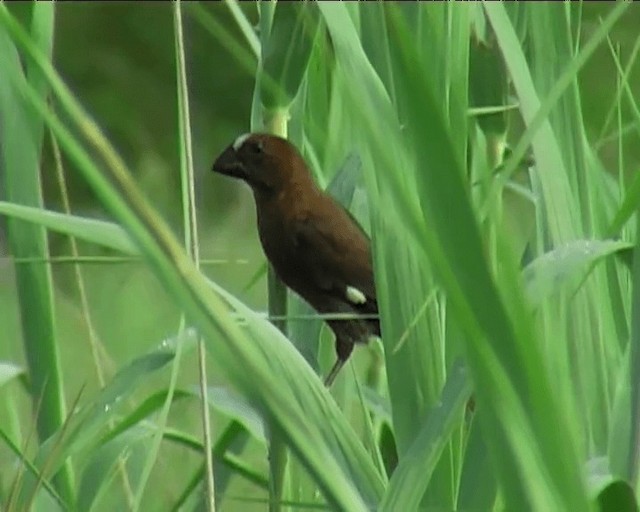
315, 246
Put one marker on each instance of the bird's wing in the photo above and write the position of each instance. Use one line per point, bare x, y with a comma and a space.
337, 253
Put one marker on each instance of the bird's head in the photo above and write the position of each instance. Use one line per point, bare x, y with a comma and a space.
266, 162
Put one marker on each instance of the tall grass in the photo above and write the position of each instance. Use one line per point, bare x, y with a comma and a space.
507, 300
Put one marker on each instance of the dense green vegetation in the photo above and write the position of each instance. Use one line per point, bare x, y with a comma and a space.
490, 149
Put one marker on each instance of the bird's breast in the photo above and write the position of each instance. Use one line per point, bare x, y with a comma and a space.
279, 246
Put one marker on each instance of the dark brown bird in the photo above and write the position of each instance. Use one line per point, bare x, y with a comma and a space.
315, 246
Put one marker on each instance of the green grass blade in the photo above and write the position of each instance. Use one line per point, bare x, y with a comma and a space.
105, 234
21, 144
411, 478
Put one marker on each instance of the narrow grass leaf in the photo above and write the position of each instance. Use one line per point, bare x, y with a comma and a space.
99, 232
553, 270
21, 130
411, 478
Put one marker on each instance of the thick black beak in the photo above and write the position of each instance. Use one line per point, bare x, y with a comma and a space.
229, 164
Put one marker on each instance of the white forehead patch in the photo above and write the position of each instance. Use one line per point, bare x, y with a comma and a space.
355, 296
240, 141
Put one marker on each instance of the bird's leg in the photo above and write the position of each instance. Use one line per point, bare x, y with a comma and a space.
334, 372
343, 349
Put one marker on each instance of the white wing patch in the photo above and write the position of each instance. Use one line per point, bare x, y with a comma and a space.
240, 141
355, 296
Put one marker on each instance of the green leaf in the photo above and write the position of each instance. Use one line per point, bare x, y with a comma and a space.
286, 52
87, 426
106, 234
239, 409
553, 270
22, 130
411, 478
101, 473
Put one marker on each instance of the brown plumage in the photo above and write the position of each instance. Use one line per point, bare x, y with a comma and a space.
315, 246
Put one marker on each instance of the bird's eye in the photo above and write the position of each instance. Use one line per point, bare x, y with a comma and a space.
255, 147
